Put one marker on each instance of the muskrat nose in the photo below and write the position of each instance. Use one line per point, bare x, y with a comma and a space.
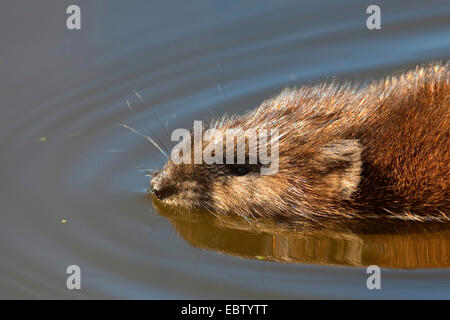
162, 193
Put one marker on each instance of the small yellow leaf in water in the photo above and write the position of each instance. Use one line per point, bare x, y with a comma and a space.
43, 139
63, 220
260, 257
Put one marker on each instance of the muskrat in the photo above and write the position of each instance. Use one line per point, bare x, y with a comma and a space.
346, 152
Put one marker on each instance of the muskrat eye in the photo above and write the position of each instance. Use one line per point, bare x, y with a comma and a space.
241, 170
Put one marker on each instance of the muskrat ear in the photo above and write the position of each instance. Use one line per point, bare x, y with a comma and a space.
341, 163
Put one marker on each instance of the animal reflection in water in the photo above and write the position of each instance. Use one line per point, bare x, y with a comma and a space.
416, 245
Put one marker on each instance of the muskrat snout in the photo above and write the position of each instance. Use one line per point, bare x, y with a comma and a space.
153, 182
159, 188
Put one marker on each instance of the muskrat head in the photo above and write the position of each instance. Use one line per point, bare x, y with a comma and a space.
220, 181
221, 188
310, 179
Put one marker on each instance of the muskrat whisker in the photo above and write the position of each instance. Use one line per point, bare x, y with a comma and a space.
150, 170
146, 126
224, 98
150, 173
145, 137
144, 167
157, 118
129, 106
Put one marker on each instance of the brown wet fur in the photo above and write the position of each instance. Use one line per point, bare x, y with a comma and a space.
346, 153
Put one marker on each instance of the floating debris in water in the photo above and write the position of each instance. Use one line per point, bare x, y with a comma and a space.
43, 139
63, 220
